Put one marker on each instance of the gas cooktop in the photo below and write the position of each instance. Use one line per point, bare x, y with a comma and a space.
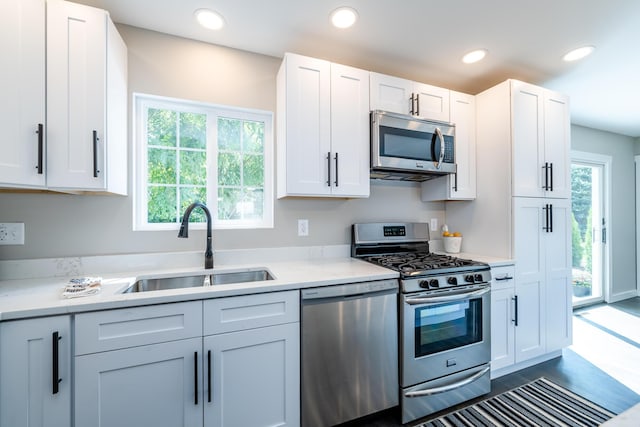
421, 263
404, 247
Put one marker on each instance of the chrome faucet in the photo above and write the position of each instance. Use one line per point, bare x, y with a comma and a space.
184, 231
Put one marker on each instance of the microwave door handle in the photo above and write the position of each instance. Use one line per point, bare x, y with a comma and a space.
441, 157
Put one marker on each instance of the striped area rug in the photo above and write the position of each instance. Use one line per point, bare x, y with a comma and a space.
539, 403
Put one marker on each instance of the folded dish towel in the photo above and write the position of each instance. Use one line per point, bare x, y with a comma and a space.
82, 287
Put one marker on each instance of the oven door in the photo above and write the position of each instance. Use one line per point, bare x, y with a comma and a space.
404, 143
444, 333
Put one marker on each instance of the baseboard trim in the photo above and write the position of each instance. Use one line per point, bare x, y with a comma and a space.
525, 364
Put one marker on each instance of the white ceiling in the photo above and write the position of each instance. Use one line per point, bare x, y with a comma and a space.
425, 39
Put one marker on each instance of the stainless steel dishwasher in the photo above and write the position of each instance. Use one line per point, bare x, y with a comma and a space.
349, 353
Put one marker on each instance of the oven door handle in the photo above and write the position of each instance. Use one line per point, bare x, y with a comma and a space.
450, 387
447, 298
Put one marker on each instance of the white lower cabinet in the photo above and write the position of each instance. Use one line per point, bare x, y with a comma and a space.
244, 371
254, 377
151, 385
502, 317
253, 357
35, 372
517, 319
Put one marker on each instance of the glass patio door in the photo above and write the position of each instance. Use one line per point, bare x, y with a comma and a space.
589, 228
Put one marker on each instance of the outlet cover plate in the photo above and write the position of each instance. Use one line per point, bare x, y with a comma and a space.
12, 233
303, 227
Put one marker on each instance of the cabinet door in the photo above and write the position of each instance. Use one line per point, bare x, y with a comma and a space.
527, 130
76, 85
153, 385
35, 373
390, 93
462, 184
528, 220
559, 311
255, 377
502, 328
463, 114
22, 80
350, 131
431, 102
304, 125
557, 140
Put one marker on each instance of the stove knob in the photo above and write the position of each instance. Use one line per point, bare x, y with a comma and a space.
468, 278
478, 277
424, 284
433, 283
452, 280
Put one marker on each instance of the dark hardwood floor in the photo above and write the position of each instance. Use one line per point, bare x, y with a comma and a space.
571, 371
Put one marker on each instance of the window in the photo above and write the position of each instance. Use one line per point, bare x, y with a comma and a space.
187, 151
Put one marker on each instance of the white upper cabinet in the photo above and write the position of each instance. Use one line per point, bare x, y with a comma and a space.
86, 100
462, 184
323, 129
389, 93
541, 140
22, 85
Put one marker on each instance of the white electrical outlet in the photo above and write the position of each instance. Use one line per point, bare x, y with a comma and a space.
12, 233
303, 227
434, 224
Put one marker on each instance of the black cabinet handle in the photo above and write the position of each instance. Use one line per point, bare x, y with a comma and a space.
545, 186
417, 104
412, 99
55, 377
550, 218
550, 176
455, 181
515, 300
546, 218
195, 376
40, 133
499, 279
329, 169
209, 374
95, 154
336, 182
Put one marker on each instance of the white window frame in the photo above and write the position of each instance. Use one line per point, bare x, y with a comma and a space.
141, 103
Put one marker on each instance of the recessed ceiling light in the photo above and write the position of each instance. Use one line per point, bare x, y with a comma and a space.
209, 19
344, 17
474, 56
578, 53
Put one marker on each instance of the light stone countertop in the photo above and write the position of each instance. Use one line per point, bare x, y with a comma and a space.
23, 294
35, 297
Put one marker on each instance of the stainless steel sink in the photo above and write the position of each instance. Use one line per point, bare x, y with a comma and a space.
179, 282
240, 277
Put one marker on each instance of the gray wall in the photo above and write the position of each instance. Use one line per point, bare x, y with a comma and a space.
622, 227
59, 225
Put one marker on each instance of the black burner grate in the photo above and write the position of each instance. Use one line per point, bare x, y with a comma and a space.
412, 262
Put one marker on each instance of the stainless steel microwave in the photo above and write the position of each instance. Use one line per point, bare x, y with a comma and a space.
404, 147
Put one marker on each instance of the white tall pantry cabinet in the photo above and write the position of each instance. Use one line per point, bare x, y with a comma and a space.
523, 210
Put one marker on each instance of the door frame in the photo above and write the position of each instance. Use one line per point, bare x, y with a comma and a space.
637, 193
605, 161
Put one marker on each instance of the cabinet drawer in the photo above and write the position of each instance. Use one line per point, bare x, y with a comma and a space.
503, 277
250, 311
131, 327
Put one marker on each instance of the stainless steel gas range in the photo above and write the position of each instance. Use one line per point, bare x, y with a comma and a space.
444, 314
